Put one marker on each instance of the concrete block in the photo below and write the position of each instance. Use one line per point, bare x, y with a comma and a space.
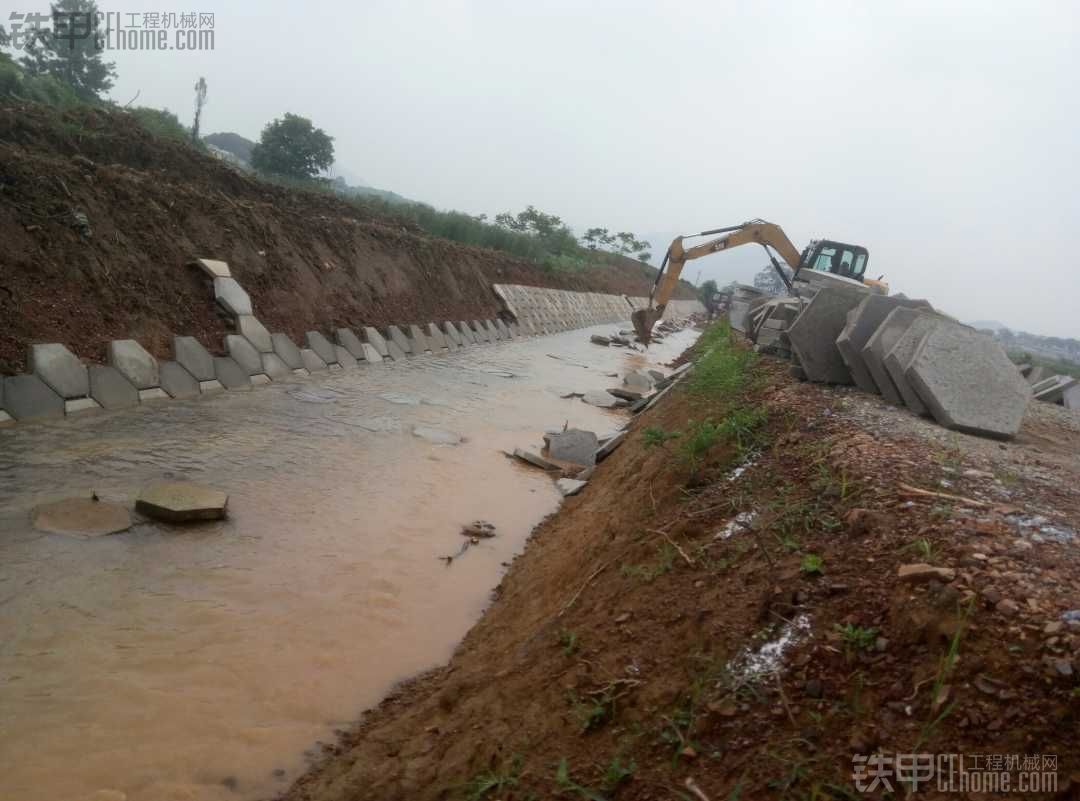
1054, 389
275, 367
480, 332
968, 382
397, 336
417, 341
334, 367
494, 334
177, 381
344, 358
575, 446
466, 333
396, 353
232, 297
213, 268
210, 387
313, 363
260, 379
194, 358
301, 372
156, 393
1071, 398
880, 343
370, 354
133, 360
862, 322
81, 406
244, 353
27, 397
436, 338
814, 332
322, 346
230, 374
375, 339
514, 332
351, 342
286, 350
899, 358
60, 369
504, 330
110, 389
181, 501
1037, 373
256, 333
452, 334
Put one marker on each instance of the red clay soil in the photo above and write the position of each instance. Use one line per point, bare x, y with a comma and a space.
309, 261
615, 660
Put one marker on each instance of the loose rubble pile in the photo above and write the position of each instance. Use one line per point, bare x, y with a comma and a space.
1064, 390
839, 331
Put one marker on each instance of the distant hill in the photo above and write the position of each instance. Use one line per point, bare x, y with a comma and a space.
988, 325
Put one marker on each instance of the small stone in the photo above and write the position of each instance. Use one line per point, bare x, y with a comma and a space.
625, 616
479, 528
181, 501
813, 688
920, 572
596, 339
1053, 627
1007, 607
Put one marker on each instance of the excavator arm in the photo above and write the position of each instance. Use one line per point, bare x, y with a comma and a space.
764, 233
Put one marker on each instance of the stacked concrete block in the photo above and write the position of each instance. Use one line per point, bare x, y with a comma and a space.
177, 381
1036, 374
27, 397
397, 336
110, 389
62, 371
371, 355
313, 363
968, 382
494, 334
813, 335
344, 358
741, 299
245, 354
1053, 389
137, 366
232, 297
194, 358
322, 346
466, 334
274, 367
396, 353
417, 341
375, 339
256, 333
436, 339
862, 323
882, 341
285, 349
452, 334
230, 374
351, 342
1071, 398
899, 358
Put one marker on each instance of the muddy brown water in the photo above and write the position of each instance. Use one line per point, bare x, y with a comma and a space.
171, 663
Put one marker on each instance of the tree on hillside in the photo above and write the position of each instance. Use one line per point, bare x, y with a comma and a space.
593, 237
200, 101
293, 147
555, 235
644, 256
71, 51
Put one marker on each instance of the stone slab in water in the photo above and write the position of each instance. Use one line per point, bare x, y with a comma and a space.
27, 397
601, 398
437, 436
395, 350
181, 501
135, 362
81, 517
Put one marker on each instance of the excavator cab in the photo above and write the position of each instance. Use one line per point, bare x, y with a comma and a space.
838, 258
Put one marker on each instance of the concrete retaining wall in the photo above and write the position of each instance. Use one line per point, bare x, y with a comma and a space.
60, 384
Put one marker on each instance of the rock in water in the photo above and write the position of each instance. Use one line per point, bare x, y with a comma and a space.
601, 398
181, 501
574, 446
82, 517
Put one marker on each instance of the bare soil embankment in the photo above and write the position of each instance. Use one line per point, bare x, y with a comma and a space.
626, 651
309, 261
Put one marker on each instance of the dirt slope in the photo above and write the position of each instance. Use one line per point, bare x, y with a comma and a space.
622, 655
308, 260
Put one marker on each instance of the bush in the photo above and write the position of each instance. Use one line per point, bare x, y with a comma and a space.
45, 89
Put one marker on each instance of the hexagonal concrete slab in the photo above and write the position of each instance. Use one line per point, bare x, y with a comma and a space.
256, 333
312, 362
480, 332
899, 358
814, 332
135, 362
321, 345
376, 340
230, 374
81, 517
286, 350
436, 339
417, 341
344, 358
110, 389
60, 369
396, 353
503, 328
370, 354
153, 394
213, 268
244, 353
194, 358
27, 397
878, 346
350, 341
232, 297
210, 387
177, 381
493, 331
862, 322
81, 405
969, 383
181, 501
397, 336
273, 366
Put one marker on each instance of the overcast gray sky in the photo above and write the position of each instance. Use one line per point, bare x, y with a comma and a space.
942, 136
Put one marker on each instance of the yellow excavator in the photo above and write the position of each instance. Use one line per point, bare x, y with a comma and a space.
823, 255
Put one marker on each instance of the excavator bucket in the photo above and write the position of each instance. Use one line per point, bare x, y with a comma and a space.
644, 320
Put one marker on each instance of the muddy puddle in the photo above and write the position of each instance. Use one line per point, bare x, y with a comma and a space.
201, 663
